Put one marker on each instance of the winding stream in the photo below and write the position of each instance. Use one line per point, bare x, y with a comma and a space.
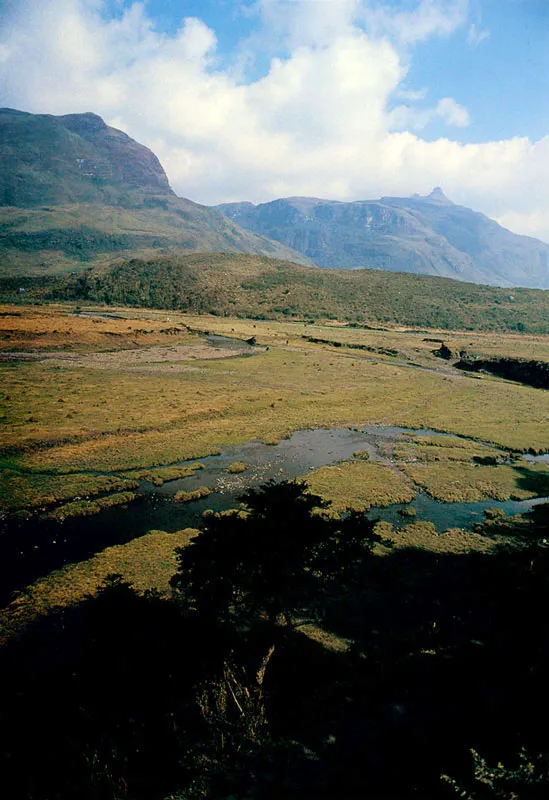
31, 550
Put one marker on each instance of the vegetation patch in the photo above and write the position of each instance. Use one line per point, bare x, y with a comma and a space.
422, 535
454, 482
195, 494
147, 563
20, 489
86, 508
236, 467
251, 286
445, 448
359, 485
161, 475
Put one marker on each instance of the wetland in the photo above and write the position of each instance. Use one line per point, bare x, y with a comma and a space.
121, 422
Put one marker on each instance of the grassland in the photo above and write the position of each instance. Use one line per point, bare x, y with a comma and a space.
147, 562
65, 418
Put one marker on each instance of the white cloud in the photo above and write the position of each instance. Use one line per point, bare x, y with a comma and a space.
452, 113
476, 35
428, 18
318, 122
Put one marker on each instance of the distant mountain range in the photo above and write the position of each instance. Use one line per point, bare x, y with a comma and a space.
427, 235
74, 191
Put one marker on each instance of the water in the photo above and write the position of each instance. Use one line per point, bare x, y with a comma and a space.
30, 550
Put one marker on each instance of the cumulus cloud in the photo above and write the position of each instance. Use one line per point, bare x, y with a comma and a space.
452, 113
320, 119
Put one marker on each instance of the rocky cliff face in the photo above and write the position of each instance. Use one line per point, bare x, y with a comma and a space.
429, 235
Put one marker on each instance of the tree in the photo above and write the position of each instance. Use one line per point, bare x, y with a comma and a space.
276, 558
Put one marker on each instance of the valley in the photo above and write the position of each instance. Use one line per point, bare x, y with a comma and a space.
109, 412
273, 511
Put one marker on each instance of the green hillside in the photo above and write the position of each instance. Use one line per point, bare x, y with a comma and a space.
74, 190
262, 288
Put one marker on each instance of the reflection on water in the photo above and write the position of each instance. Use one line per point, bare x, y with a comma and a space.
29, 550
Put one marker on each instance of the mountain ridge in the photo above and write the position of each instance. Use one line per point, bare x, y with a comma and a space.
428, 235
74, 190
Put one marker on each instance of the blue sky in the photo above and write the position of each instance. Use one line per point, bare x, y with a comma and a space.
347, 99
502, 48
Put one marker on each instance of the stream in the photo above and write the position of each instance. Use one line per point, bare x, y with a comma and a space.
33, 549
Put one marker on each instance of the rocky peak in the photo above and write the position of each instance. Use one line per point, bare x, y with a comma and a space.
437, 196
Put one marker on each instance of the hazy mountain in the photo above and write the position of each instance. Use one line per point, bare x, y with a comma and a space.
429, 235
73, 190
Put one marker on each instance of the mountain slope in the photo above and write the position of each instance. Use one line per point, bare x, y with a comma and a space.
428, 235
73, 190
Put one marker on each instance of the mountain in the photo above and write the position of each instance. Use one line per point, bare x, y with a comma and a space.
428, 235
74, 190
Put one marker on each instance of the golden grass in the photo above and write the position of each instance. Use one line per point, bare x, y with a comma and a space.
423, 535
54, 327
359, 485
458, 482
38, 491
237, 467
443, 448
87, 508
147, 562
75, 419
161, 475
195, 494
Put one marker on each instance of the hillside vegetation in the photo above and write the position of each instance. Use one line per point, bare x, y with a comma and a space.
73, 190
262, 288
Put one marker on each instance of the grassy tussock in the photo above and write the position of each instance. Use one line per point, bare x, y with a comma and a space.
161, 475
20, 490
423, 535
87, 508
359, 485
195, 494
236, 467
444, 449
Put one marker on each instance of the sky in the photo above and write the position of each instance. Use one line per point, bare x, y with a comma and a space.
338, 99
